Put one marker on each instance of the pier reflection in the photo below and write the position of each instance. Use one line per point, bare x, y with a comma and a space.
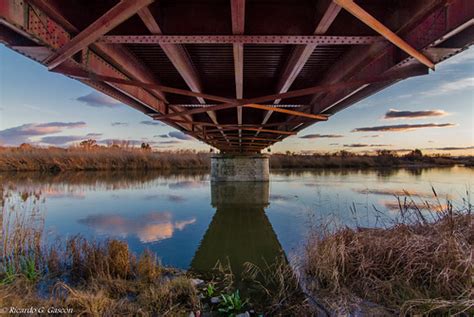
240, 230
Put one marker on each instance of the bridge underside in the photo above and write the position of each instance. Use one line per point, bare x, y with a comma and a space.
238, 75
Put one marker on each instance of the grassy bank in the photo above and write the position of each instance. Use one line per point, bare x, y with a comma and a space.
420, 264
104, 278
98, 158
384, 159
27, 158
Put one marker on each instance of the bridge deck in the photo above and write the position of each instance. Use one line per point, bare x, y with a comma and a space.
238, 75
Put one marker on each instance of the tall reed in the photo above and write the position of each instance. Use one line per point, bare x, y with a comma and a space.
421, 262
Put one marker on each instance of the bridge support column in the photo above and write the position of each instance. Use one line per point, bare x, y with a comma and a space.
240, 168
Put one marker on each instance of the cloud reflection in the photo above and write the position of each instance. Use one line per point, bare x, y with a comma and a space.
152, 227
186, 184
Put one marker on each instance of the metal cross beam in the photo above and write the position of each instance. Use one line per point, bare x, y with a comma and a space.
401, 74
238, 25
372, 22
119, 13
241, 39
179, 58
302, 53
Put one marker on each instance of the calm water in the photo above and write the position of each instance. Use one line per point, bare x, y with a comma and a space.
190, 222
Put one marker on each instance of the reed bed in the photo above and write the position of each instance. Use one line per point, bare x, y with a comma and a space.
350, 160
104, 278
420, 263
98, 158
29, 158
89, 277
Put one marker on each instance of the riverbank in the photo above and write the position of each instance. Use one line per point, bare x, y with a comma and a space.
420, 263
27, 158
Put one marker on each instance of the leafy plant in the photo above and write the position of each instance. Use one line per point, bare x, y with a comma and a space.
210, 289
9, 273
28, 268
232, 303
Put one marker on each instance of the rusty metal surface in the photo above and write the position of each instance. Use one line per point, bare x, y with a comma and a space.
240, 39
237, 50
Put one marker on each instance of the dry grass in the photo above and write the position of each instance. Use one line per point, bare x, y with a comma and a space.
99, 158
423, 263
28, 158
350, 160
93, 278
277, 288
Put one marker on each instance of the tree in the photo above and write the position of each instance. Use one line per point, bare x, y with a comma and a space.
88, 144
146, 146
414, 155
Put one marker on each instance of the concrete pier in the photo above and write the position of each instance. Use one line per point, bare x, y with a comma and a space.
240, 168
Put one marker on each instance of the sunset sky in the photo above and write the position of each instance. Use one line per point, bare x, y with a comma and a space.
433, 113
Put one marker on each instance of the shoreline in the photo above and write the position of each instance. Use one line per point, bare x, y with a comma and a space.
133, 159
343, 270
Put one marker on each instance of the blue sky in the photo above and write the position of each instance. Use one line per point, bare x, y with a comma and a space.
44, 108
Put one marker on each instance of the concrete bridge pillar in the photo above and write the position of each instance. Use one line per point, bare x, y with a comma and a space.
240, 168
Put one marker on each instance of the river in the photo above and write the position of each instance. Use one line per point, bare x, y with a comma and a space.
190, 222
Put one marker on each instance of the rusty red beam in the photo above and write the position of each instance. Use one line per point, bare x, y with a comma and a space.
211, 124
380, 28
358, 58
241, 39
250, 138
450, 21
238, 25
254, 129
94, 77
179, 58
294, 93
119, 13
302, 53
287, 111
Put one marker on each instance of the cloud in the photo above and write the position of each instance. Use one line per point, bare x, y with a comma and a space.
130, 142
393, 192
176, 198
98, 100
371, 136
155, 123
161, 136
61, 139
93, 135
115, 124
333, 143
180, 135
365, 145
317, 136
152, 227
453, 86
281, 198
186, 184
22, 133
405, 114
169, 142
403, 127
453, 148
65, 139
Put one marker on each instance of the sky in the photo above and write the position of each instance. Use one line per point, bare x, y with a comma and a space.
434, 113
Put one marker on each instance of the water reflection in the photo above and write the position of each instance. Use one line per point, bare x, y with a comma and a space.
187, 221
152, 227
240, 230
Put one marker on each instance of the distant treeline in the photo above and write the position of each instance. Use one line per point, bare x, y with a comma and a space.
382, 159
93, 157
